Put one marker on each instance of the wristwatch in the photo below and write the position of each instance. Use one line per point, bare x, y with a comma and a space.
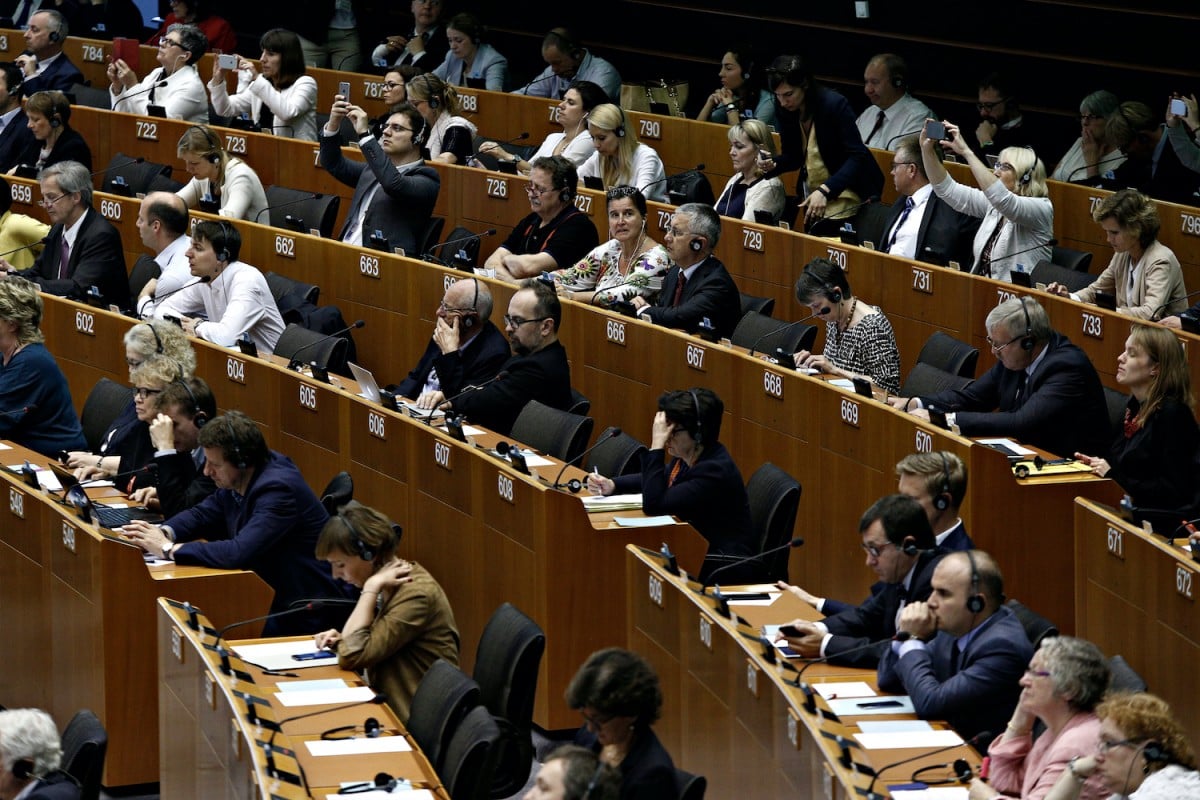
166, 550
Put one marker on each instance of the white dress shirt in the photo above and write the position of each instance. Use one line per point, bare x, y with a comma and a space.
237, 301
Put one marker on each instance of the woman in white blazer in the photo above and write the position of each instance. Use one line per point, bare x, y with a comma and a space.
175, 87
282, 99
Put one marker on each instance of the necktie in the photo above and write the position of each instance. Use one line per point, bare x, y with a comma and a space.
679, 288
675, 470
1019, 397
64, 257
882, 118
984, 267
908, 207
955, 655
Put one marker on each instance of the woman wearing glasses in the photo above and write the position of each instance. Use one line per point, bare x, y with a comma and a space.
1143, 754
54, 140
175, 87
1066, 679
618, 695
1092, 155
276, 95
1012, 200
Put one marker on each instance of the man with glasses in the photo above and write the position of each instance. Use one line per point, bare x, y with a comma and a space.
900, 549
1001, 123
555, 234
82, 258
175, 90
698, 293
394, 191
43, 62
965, 653
921, 225
537, 369
567, 60
1042, 390
467, 349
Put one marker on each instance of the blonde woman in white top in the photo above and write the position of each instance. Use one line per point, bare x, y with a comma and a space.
220, 182
619, 157
282, 99
747, 191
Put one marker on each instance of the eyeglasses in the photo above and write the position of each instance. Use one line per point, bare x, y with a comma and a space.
392, 85
996, 348
396, 128
902, 164
1036, 673
538, 191
596, 720
1003, 166
445, 309
516, 322
165, 42
48, 201
1105, 746
142, 392
874, 550
990, 106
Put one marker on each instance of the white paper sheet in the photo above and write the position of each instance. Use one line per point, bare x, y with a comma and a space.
594, 502
893, 725
278, 655
358, 746
832, 691
409, 794
861, 706
774, 596
932, 793
907, 740
842, 383
643, 522
312, 686
325, 697
1010, 444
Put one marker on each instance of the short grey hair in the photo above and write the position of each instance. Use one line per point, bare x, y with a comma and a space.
193, 40
1011, 314
72, 177
704, 221
1102, 103
1078, 668
29, 733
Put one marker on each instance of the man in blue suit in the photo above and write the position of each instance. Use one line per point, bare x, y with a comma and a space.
15, 135
938, 481
43, 62
966, 651
262, 517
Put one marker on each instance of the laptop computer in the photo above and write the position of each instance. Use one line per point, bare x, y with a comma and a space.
367, 386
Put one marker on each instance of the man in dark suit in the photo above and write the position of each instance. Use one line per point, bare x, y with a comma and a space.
262, 517
15, 135
394, 192
537, 370
466, 348
938, 481
83, 249
43, 62
30, 755
900, 550
966, 651
698, 287
920, 225
1043, 390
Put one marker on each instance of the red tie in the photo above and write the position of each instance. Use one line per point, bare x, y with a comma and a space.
679, 288
675, 470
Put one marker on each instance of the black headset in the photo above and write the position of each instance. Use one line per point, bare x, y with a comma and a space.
468, 320
361, 549
698, 436
975, 603
1027, 341
199, 417
419, 134
832, 292
1152, 751
942, 501
214, 144
223, 253
433, 100
1027, 176
158, 345
239, 460
620, 129
22, 769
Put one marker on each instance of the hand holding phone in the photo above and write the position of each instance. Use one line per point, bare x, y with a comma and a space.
1178, 107
934, 130
344, 90
227, 61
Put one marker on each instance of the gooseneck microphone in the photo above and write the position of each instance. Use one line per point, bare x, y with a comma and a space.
1072, 173
1038, 246
796, 542
974, 740
297, 201
428, 255
159, 298
574, 485
295, 363
474, 388
646, 189
43, 240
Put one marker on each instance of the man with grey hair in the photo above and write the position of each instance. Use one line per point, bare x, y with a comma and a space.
43, 62
30, 754
698, 292
176, 87
1042, 390
83, 255
893, 113
921, 225
467, 349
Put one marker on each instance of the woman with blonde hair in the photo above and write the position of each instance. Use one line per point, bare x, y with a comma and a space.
748, 190
619, 158
221, 183
1012, 200
451, 136
1155, 456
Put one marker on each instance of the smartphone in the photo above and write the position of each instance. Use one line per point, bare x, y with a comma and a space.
344, 90
790, 630
765, 155
935, 130
1178, 107
314, 656
227, 60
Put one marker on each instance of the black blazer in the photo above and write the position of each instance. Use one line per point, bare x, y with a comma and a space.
95, 260
458, 370
14, 140
850, 163
60, 75
945, 234
875, 619
401, 207
544, 376
710, 293
1062, 409
69, 147
1159, 465
647, 771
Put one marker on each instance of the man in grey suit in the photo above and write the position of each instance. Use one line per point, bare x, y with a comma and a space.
921, 226
394, 192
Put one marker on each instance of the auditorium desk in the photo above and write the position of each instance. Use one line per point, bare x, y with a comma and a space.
78, 608
1135, 596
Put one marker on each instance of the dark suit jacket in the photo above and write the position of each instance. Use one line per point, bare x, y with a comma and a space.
875, 619
60, 75
55, 786
1172, 181
544, 376
273, 530
710, 293
982, 693
14, 140
400, 208
69, 147
1062, 408
945, 234
647, 771
850, 163
478, 363
957, 539
96, 260
180, 484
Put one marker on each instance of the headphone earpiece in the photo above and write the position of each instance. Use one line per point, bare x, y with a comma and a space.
223, 253
975, 603
620, 129
909, 547
698, 436
199, 418
360, 548
1027, 341
898, 81
239, 460
468, 321
696, 244
22, 769
372, 728
574, 486
1154, 753
55, 36
56, 120
942, 501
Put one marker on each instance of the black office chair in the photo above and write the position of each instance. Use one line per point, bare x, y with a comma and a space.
764, 334
617, 455
1078, 260
1124, 677
81, 94
869, 223
316, 348
125, 176
464, 254
579, 403
943, 351
288, 292
429, 236
469, 766
763, 305
144, 269
299, 211
84, 747
441, 701
774, 499
689, 786
104, 404
559, 433
924, 380
1037, 628
1048, 273
1116, 402
506, 669
338, 492
164, 183
690, 186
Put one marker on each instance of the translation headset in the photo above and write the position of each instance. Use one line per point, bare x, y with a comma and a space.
361, 549
1027, 176
223, 253
975, 602
239, 460
371, 728
158, 345
942, 501
468, 320
199, 417
54, 36
22, 769
1155, 753
214, 144
433, 100
698, 436
898, 69
620, 129
832, 292
1027, 341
